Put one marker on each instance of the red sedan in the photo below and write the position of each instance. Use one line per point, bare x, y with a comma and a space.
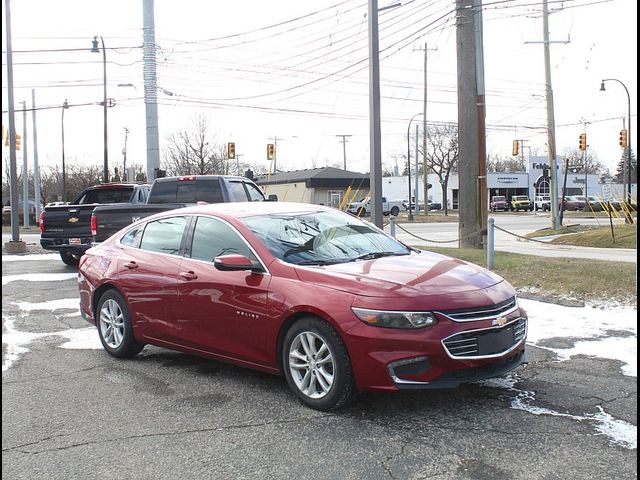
318, 295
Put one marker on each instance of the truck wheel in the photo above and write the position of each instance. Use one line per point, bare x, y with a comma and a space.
69, 259
395, 211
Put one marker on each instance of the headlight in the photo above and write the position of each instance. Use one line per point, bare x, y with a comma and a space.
392, 319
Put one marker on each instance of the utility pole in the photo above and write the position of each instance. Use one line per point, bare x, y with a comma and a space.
124, 156
25, 168
375, 147
471, 124
15, 245
416, 188
556, 220
238, 155
150, 89
425, 170
344, 149
36, 168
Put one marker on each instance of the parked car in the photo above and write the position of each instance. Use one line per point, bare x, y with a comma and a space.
520, 202
320, 296
571, 203
542, 202
363, 207
6, 211
432, 205
499, 202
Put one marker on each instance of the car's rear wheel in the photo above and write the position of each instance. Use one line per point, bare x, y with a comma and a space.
69, 259
361, 212
317, 366
114, 326
395, 211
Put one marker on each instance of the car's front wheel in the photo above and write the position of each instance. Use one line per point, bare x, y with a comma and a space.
114, 326
316, 365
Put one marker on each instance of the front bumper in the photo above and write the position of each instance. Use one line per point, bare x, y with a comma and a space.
391, 360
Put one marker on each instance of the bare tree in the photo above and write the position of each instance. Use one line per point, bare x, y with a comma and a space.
195, 152
495, 163
577, 161
442, 158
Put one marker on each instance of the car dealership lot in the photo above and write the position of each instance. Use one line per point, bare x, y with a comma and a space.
72, 411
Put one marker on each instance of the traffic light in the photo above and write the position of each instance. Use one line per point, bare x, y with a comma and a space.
18, 141
623, 138
583, 142
271, 151
516, 148
231, 150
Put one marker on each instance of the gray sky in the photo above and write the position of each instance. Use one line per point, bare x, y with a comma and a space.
298, 71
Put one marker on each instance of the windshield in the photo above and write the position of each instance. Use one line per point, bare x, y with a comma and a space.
498, 199
321, 238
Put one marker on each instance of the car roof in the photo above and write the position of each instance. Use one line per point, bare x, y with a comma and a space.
249, 209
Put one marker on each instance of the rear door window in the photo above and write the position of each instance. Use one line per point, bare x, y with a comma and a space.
164, 236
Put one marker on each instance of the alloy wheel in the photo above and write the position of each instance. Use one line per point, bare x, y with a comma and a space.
311, 364
112, 323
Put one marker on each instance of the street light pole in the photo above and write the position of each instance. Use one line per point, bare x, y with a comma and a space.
410, 216
65, 105
602, 89
95, 49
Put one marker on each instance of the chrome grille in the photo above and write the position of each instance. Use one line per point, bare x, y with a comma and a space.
482, 313
488, 342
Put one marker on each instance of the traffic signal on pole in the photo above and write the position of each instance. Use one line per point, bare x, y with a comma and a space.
623, 138
583, 142
516, 148
18, 141
231, 150
271, 151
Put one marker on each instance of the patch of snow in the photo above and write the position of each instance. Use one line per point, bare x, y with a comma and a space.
20, 258
52, 305
38, 277
81, 339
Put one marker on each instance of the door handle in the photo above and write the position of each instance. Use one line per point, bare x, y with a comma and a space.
131, 265
188, 275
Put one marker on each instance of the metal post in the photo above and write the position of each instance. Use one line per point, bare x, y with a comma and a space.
36, 168
392, 225
65, 105
25, 168
490, 243
418, 177
410, 216
105, 166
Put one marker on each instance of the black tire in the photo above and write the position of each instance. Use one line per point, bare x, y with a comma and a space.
109, 328
361, 212
69, 259
395, 211
342, 389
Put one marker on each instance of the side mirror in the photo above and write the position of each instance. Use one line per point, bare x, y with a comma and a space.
234, 262
272, 198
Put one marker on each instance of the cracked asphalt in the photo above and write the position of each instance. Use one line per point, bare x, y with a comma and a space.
81, 414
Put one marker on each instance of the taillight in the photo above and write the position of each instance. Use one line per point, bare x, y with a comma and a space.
94, 225
42, 222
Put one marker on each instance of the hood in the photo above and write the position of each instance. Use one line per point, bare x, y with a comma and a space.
403, 276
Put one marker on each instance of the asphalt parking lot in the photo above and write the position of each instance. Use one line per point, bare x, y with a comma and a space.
71, 411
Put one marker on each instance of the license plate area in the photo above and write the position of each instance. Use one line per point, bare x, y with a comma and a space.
495, 342
75, 241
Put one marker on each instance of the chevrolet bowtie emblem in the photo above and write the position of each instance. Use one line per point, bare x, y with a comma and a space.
500, 321
73, 219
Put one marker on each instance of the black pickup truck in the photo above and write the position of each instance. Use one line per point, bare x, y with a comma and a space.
168, 193
67, 228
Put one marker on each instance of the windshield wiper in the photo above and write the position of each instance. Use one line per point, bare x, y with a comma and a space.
318, 262
372, 255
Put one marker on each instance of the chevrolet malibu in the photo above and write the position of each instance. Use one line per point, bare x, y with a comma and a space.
322, 297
